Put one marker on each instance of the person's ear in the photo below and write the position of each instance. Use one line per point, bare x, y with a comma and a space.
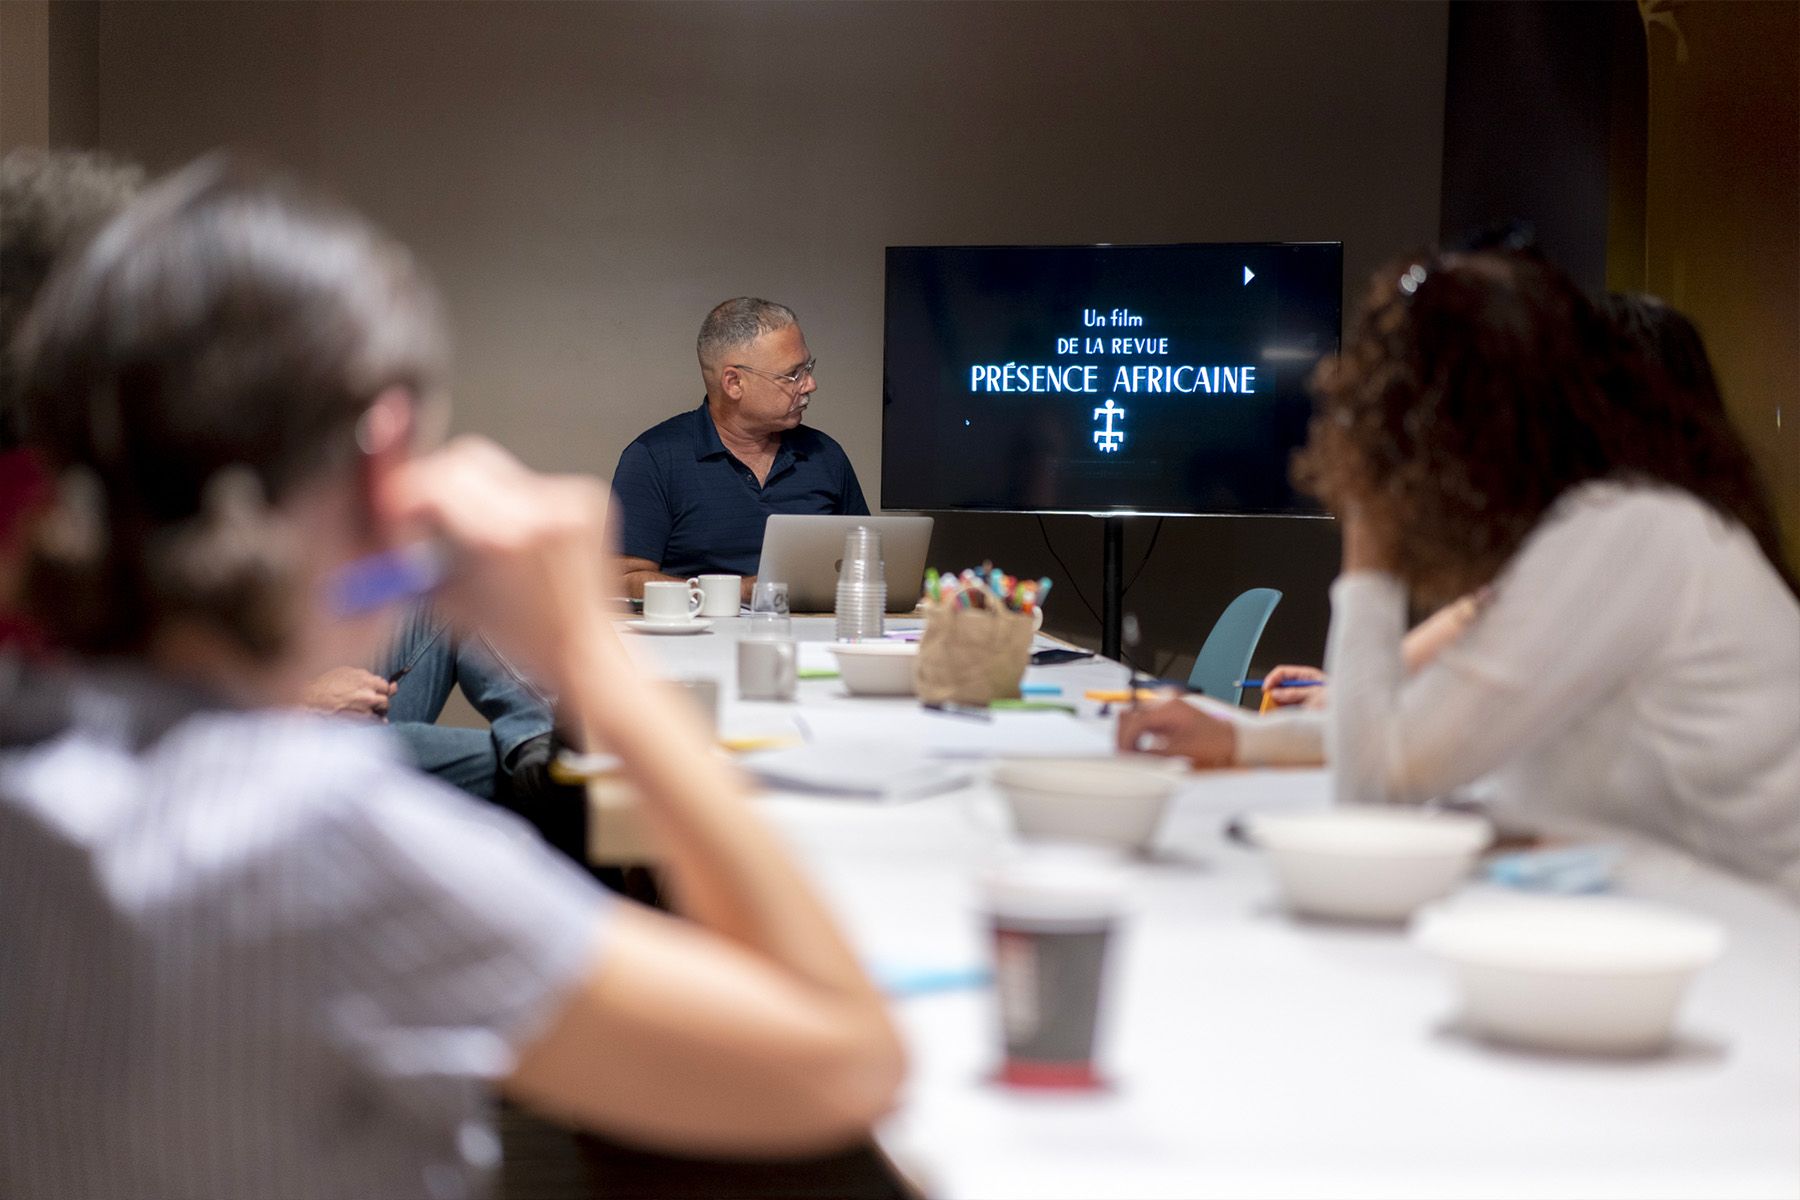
385, 436
731, 382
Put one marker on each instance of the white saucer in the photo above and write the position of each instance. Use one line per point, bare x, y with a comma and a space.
668, 627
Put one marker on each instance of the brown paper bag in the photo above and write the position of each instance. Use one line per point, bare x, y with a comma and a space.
973, 656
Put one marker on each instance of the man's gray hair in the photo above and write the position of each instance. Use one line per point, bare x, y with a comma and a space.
737, 323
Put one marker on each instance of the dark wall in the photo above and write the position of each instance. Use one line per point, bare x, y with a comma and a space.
585, 180
1544, 113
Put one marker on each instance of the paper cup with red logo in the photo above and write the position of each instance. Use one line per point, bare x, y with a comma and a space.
1055, 911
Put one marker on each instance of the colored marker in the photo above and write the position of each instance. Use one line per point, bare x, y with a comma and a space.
1033, 706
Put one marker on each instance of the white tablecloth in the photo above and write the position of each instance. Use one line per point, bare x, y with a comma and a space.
1253, 1054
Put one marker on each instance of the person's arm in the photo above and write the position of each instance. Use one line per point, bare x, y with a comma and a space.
645, 520
851, 503
1279, 690
1210, 734
1584, 602
1424, 642
1441, 629
634, 573
752, 1029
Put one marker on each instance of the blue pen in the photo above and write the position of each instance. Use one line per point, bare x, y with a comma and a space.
378, 580
1039, 689
1257, 683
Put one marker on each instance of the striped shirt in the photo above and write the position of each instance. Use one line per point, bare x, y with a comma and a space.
252, 954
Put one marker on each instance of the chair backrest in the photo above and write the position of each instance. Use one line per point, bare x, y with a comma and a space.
1226, 655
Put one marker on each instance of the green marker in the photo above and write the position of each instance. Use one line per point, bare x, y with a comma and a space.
1032, 706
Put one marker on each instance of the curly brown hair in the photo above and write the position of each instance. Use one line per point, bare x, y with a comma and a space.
1475, 391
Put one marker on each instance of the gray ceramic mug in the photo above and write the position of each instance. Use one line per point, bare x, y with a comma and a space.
766, 669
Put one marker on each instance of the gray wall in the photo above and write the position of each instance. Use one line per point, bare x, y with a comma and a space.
585, 180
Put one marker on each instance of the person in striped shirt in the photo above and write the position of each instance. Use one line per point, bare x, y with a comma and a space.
249, 951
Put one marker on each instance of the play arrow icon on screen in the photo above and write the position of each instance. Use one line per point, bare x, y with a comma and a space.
1248, 276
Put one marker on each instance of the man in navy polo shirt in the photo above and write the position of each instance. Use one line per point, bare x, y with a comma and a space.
696, 490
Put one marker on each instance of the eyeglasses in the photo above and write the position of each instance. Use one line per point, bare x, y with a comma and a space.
793, 380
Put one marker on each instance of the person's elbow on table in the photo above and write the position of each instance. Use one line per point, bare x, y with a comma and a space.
1177, 729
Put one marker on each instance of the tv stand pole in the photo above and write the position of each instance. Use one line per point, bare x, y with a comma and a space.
1112, 585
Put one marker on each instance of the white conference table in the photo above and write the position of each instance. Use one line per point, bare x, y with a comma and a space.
1252, 1054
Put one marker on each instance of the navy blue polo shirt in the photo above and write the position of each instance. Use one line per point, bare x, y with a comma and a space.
692, 507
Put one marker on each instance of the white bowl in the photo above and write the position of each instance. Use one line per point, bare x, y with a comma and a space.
1113, 803
1586, 974
878, 668
1368, 863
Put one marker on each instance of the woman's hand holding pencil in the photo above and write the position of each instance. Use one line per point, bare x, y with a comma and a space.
1285, 686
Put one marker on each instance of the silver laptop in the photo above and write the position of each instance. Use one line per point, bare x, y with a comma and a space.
804, 553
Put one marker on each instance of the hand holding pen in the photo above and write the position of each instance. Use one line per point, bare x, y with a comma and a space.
1289, 685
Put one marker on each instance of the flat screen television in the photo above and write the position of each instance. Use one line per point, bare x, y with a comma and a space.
1162, 380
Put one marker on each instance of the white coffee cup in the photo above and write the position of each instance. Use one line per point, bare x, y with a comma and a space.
671, 603
719, 594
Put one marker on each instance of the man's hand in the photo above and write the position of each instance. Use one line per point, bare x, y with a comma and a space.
748, 588
349, 692
1178, 729
1275, 687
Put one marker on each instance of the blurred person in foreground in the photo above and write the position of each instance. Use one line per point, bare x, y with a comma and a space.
50, 200
248, 951
1635, 663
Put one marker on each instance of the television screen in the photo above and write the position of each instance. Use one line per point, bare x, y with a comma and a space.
1103, 379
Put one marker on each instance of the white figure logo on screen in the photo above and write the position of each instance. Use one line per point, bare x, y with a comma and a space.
1109, 439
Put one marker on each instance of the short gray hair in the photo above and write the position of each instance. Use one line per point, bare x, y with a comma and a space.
737, 323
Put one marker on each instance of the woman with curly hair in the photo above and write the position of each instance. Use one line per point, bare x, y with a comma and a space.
1637, 662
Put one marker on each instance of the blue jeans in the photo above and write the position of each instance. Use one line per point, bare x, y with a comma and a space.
435, 659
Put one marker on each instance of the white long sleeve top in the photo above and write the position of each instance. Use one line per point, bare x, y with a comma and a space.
1638, 666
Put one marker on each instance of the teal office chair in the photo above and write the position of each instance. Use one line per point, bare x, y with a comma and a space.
1226, 655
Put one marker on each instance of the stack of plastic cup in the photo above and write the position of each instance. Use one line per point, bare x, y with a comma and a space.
862, 587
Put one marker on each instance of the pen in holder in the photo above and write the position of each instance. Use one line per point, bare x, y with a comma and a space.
977, 640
